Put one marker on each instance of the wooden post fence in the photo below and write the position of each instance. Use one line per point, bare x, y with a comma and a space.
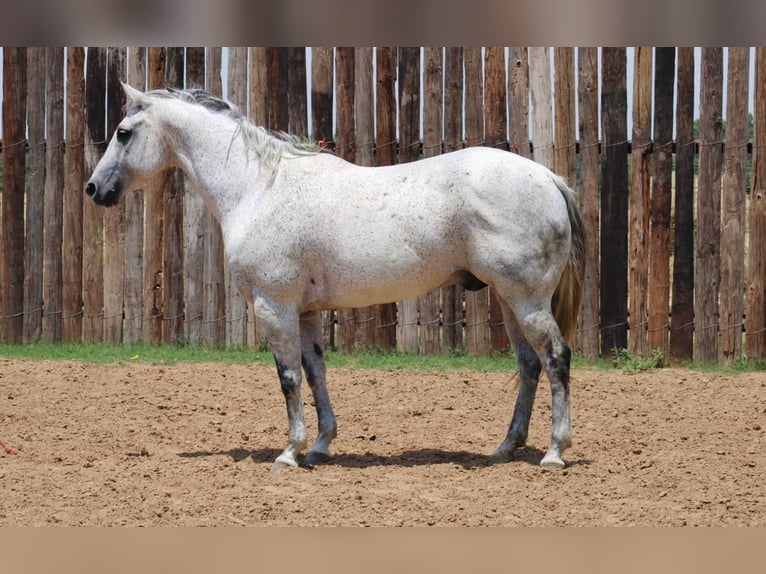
152, 269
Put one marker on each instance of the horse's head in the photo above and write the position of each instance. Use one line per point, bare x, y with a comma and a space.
137, 151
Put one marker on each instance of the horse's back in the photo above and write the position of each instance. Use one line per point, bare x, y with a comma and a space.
357, 235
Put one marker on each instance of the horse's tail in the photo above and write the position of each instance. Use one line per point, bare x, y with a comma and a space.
568, 295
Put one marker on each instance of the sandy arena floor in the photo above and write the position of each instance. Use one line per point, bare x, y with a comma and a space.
140, 444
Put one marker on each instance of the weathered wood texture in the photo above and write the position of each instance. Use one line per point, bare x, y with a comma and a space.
14, 168
345, 145
496, 135
213, 280
364, 143
614, 200
587, 96
708, 214
660, 203
409, 150
477, 335
322, 131
114, 219
385, 152
133, 295
565, 154
756, 280
733, 192
35, 196
172, 220
430, 304
682, 310
74, 183
54, 196
638, 203
93, 216
152, 269
153, 226
194, 212
452, 295
236, 305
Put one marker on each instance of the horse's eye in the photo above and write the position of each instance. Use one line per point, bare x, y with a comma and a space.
123, 135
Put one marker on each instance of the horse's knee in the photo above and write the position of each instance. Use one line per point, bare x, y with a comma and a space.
289, 379
558, 365
529, 363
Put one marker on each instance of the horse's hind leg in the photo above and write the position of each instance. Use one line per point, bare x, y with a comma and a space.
538, 326
529, 375
312, 358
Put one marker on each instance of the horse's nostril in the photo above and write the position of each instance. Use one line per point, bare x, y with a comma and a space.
90, 189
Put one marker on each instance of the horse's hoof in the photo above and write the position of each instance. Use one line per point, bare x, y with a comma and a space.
283, 462
552, 462
316, 457
500, 457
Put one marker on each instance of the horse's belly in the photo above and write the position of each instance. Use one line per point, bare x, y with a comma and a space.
343, 291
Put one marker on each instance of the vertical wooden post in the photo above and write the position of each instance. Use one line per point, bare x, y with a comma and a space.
385, 148
54, 196
35, 201
452, 295
259, 68
708, 236
429, 304
682, 310
638, 232
660, 204
477, 335
259, 86
364, 136
589, 199
279, 114
236, 305
518, 89
614, 200
172, 220
756, 279
296, 88
345, 147
133, 295
542, 106
409, 136
93, 215
194, 232
14, 168
496, 125
213, 282
153, 226
114, 218
564, 153
321, 130
733, 200
74, 181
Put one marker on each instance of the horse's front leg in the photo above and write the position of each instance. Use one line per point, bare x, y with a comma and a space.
312, 358
281, 329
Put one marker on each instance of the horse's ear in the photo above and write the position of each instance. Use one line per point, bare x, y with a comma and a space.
133, 97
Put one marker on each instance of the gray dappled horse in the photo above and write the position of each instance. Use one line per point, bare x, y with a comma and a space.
305, 231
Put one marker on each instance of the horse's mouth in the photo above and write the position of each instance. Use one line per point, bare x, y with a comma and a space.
107, 198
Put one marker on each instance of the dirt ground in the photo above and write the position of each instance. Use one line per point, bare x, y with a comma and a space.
138, 444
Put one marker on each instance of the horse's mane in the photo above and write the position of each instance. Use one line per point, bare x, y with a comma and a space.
270, 147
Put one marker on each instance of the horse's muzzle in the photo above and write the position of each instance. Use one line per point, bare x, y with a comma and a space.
106, 197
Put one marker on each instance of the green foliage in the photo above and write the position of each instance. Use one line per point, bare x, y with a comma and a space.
458, 361
624, 360
166, 355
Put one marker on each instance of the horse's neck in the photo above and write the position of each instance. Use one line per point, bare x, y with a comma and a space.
213, 156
